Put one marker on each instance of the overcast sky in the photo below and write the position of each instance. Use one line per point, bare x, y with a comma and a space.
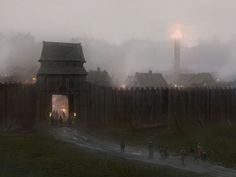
123, 36
119, 20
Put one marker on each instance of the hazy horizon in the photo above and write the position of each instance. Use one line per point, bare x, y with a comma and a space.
134, 35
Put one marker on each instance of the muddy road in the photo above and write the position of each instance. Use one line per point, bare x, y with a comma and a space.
138, 153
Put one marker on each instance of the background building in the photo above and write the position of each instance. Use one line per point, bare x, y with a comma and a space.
149, 79
99, 77
192, 80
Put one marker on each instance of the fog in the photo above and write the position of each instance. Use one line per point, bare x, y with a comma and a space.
20, 54
117, 21
122, 37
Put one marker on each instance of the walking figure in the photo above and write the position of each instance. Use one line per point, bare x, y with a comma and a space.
161, 150
56, 118
204, 155
51, 117
69, 120
150, 150
192, 151
60, 121
182, 154
76, 119
122, 146
199, 151
63, 115
165, 153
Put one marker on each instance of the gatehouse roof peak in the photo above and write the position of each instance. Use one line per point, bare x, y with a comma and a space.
61, 51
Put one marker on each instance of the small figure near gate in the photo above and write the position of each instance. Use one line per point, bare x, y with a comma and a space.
60, 121
161, 150
63, 115
182, 156
204, 156
122, 146
199, 153
150, 150
165, 152
69, 120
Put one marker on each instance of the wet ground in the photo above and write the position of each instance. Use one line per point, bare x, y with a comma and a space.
138, 153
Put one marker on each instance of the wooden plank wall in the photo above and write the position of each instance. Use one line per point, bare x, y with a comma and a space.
17, 105
134, 106
159, 105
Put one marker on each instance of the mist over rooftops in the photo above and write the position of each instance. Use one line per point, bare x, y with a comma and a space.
213, 56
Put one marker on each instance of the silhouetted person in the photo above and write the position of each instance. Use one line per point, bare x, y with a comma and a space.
150, 150
192, 151
63, 115
182, 156
56, 118
56, 115
76, 119
122, 146
51, 119
161, 150
199, 151
69, 120
60, 121
204, 156
165, 152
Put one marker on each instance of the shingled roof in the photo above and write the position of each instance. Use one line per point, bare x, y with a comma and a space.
99, 77
57, 51
192, 79
147, 80
62, 59
203, 79
62, 71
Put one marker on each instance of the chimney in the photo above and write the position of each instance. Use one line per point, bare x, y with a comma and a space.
150, 72
98, 69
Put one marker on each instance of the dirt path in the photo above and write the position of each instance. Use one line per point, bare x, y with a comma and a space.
140, 154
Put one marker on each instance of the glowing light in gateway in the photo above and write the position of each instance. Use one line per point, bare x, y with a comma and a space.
123, 86
63, 110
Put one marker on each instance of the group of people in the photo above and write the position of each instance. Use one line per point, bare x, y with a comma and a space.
57, 118
198, 152
163, 150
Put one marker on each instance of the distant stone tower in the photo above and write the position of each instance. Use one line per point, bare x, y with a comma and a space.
177, 57
177, 36
61, 72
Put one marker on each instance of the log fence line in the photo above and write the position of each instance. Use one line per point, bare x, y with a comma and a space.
135, 106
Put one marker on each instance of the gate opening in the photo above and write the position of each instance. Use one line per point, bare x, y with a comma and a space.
60, 106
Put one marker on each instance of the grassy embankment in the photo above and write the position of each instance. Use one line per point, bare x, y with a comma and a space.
40, 155
219, 142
